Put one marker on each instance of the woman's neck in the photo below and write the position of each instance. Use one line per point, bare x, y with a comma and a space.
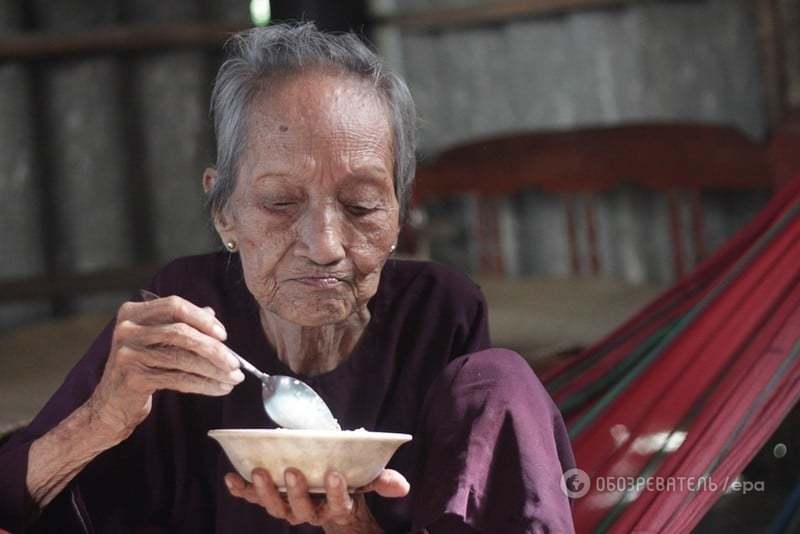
313, 350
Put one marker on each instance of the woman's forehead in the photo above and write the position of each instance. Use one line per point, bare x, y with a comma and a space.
318, 121
317, 101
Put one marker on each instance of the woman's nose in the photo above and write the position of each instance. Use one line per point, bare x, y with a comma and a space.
321, 239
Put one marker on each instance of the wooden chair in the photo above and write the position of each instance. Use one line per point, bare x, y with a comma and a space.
670, 158
543, 315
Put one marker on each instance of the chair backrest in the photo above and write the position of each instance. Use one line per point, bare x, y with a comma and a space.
677, 160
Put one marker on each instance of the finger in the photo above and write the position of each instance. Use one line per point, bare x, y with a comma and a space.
268, 495
157, 379
174, 359
183, 336
173, 309
239, 487
302, 507
389, 483
178, 347
338, 506
133, 374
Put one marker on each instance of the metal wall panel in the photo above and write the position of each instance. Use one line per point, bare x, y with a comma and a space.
171, 91
86, 148
21, 253
650, 61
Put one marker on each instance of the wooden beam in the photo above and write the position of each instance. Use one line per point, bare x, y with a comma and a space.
73, 285
489, 13
36, 46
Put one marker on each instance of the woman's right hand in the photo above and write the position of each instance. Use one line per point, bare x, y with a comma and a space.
167, 343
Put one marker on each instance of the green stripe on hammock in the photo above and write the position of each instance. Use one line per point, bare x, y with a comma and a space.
681, 324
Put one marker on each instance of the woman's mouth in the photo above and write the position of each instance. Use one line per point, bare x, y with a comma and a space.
321, 282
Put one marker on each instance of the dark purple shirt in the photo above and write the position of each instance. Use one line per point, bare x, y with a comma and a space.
489, 446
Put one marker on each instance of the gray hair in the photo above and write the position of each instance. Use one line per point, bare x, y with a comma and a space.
259, 54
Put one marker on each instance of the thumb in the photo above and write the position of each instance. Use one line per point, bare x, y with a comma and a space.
389, 483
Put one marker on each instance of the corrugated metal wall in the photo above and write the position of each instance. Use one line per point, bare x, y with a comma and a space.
790, 12
102, 156
639, 61
654, 60
20, 248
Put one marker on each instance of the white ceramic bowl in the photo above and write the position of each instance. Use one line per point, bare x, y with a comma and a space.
359, 455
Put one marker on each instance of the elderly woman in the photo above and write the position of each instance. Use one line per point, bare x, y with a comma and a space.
315, 163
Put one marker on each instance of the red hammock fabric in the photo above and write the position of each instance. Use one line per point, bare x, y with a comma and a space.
683, 395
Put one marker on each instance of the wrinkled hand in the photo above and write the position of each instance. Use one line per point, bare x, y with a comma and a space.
339, 512
168, 343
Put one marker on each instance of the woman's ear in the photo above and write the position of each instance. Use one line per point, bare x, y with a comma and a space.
209, 179
222, 221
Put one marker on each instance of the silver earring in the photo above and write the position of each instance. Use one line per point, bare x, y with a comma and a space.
391, 249
231, 246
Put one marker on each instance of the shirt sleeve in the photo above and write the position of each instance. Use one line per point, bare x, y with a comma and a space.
16, 503
495, 448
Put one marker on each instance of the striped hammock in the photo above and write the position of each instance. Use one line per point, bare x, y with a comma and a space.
682, 396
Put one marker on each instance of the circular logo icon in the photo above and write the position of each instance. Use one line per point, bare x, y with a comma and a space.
575, 483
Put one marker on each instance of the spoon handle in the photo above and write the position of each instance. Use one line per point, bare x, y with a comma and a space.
247, 366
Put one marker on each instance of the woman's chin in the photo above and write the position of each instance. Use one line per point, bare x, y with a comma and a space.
316, 314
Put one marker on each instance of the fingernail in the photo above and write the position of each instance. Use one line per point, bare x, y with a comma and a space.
210, 310
257, 480
334, 480
236, 375
228, 483
232, 360
219, 330
227, 388
290, 478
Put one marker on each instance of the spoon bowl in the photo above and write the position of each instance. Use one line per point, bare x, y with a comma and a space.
284, 397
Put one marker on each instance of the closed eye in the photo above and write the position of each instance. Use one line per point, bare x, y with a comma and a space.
360, 210
278, 205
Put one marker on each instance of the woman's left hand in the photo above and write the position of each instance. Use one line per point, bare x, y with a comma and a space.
338, 512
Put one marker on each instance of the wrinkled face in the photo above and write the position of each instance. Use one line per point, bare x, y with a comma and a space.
314, 211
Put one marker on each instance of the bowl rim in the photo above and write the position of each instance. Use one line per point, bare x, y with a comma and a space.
345, 435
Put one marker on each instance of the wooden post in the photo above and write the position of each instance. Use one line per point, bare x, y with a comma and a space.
676, 233
591, 234
772, 62
43, 168
572, 233
696, 200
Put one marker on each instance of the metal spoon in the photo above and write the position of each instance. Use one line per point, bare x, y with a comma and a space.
290, 402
